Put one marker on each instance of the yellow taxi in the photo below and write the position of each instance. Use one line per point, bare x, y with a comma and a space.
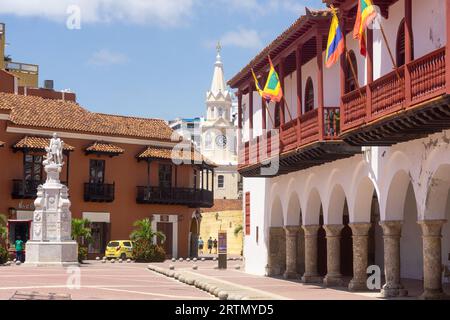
122, 249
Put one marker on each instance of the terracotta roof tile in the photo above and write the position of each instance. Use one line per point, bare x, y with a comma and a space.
66, 115
38, 143
169, 154
104, 147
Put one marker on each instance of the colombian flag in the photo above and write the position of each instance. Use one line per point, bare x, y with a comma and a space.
272, 90
335, 44
366, 14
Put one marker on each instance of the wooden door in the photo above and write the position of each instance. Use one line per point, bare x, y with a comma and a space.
167, 229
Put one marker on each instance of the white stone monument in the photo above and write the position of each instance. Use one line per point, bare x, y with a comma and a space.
51, 242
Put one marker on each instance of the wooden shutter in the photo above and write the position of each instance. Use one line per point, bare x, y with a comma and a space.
247, 213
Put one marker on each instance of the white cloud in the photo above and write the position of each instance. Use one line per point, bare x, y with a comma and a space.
161, 12
242, 38
105, 57
266, 7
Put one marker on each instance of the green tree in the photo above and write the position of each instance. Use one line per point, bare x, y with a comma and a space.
81, 231
144, 232
3, 229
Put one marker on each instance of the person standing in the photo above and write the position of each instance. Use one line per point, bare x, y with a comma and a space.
19, 249
215, 245
200, 245
210, 244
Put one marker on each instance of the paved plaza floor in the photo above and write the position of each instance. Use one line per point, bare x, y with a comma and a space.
135, 281
98, 281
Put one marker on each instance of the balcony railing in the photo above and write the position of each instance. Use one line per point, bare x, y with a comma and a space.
26, 189
299, 132
420, 80
99, 192
177, 196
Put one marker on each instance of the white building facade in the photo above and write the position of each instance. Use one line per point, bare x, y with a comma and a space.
364, 174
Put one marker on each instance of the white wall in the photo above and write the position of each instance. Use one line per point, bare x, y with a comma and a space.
290, 94
256, 253
428, 26
332, 84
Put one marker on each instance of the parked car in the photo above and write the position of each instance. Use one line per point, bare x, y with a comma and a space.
122, 249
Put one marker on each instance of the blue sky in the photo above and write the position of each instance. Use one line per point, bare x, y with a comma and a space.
151, 58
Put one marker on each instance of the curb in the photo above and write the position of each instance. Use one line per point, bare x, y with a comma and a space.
217, 291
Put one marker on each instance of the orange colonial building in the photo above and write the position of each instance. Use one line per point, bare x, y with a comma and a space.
118, 169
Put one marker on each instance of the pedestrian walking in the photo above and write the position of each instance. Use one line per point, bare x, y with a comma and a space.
210, 244
200, 245
215, 245
19, 249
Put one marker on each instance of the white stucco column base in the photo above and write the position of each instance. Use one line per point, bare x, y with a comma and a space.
42, 254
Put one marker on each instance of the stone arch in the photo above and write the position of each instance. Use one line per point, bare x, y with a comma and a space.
434, 171
436, 203
311, 214
293, 212
363, 192
335, 206
276, 213
396, 197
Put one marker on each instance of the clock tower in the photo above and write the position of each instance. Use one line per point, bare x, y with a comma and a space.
219, 134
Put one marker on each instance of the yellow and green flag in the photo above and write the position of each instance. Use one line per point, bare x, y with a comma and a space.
273, 90
365, 15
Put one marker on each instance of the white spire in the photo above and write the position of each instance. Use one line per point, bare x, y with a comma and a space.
218, 82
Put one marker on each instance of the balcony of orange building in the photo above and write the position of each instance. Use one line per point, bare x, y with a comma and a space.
172, 183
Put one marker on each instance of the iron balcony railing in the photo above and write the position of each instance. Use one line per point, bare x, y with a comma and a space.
99, 192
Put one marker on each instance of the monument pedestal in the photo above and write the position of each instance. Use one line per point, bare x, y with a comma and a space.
42, 254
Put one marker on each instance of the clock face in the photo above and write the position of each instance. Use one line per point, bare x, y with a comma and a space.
221, 141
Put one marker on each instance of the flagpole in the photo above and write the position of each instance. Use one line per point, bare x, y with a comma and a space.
268, 111
287, 106
352, 67
390, 52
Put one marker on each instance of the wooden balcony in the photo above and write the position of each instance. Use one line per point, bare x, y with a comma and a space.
99, 192
406, 104
309, 140
191, 197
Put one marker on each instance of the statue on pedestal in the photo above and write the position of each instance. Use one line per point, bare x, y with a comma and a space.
51, 242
